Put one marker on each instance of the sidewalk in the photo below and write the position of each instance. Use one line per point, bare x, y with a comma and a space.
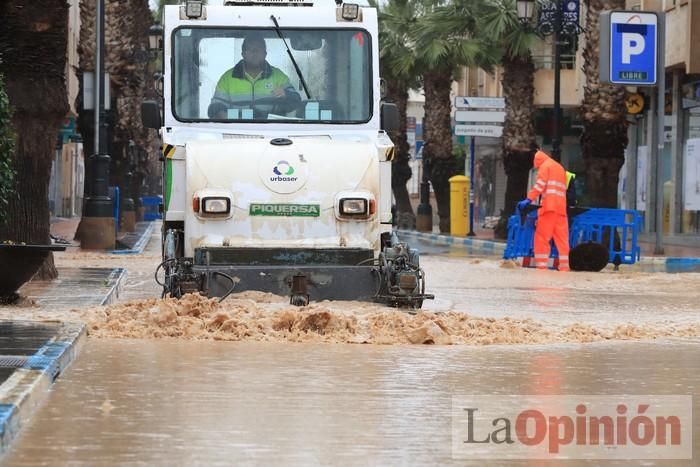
484, 242
65, 227
126, 242
647, 247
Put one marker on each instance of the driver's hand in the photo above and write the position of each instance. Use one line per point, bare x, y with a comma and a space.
278, 92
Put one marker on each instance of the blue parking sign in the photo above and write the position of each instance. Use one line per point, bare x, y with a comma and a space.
633, 47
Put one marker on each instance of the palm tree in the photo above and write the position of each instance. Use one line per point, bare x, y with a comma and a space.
511, 42
33, 42
442, 46
397, 69
604, 137
7, 151
502, 25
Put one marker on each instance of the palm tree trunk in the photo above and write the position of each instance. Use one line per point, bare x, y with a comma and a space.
604, 137
397, 92
518, 132
33, 41
437, 131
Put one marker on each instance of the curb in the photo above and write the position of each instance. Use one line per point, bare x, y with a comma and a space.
28, 386
487, 247
140, 245
670, 261
117, 278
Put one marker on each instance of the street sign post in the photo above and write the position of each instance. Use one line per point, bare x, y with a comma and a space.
469, 123
632, 53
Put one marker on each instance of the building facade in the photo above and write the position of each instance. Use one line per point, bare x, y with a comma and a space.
680, 156
68, 169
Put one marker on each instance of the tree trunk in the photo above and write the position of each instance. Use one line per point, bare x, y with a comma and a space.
33, 41
604, 136
397, 92
518, 132
437, 133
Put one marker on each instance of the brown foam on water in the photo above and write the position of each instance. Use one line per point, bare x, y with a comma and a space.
264, 317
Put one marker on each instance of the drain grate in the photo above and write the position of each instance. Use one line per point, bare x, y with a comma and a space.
12, 361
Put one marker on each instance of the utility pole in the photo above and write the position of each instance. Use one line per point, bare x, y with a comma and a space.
556, 131
424, 211
98, 229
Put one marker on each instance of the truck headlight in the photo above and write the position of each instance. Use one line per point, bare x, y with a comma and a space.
350, 11
354, 207
216, 205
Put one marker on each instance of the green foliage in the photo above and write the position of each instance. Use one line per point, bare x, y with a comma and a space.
501, 25
459, 154
396, 54
7, 149
449, 35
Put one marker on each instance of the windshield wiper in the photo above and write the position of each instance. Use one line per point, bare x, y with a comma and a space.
291, 57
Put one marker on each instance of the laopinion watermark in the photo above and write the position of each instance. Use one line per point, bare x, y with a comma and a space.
572, 427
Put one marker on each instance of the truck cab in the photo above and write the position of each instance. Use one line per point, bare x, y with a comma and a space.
277, 164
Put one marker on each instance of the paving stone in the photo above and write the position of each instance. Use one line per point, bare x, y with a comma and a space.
77, 287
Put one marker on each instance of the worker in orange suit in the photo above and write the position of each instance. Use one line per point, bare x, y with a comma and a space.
552, 221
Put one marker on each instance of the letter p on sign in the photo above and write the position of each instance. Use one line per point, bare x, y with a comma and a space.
632, 44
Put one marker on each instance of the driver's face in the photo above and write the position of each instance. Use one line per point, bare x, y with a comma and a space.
254, 55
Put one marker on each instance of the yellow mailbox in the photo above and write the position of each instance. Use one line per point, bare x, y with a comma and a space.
459, 205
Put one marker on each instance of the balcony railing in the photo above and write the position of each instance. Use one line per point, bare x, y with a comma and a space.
546, 62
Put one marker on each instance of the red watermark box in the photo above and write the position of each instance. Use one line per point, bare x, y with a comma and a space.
572, 427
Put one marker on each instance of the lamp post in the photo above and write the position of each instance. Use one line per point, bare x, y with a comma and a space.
99, 229
553, 23
424, 210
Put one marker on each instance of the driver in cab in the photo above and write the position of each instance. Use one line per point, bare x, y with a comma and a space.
253, 84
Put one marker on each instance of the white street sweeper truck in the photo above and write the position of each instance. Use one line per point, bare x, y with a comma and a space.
277, 172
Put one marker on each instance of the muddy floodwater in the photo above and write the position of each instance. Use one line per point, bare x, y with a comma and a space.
171, 402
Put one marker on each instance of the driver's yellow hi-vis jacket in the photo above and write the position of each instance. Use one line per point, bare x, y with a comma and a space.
236, 89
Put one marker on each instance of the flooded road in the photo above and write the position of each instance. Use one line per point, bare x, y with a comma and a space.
167, 402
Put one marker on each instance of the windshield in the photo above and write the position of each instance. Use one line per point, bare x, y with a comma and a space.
233, 75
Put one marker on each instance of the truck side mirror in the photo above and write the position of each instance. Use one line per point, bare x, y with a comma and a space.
389, 115
150, 115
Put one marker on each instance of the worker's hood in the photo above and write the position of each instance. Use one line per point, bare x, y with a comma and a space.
540, 158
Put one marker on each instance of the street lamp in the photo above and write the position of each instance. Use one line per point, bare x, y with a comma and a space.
155, 37
552, 21
525, 10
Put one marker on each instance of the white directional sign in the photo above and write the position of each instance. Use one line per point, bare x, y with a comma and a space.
466, 102
493, 131
629, 47
477, 116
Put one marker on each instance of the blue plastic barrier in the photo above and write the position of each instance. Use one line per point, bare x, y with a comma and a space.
114, 194
521, 236
620, 226
617, 229
151, 205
